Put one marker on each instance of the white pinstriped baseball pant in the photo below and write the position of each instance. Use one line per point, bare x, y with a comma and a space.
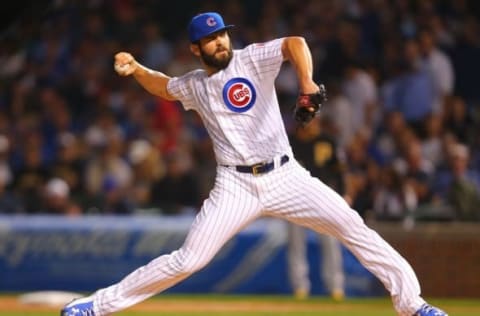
237, 199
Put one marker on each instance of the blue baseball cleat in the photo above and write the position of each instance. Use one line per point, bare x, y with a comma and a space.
79, 307
429, 310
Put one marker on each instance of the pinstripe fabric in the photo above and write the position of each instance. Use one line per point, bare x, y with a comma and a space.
246, 137
288, 192
232, 205
239, 138
305, 200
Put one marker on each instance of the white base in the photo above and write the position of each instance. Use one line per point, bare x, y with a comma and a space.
50, 298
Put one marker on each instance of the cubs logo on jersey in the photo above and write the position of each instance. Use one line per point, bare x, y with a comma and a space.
239, 94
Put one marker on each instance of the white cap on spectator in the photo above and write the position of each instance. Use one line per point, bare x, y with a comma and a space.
57, 187
138, 151
95, 137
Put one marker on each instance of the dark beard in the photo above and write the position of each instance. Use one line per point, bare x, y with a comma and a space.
216, 63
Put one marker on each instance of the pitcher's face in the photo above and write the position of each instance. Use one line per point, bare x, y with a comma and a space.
216, 50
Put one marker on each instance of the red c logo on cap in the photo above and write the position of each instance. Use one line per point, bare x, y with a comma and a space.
211, 21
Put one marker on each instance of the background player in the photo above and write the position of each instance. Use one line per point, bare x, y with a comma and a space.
316, 150
257, 174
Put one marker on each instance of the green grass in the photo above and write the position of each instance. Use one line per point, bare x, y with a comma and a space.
219, 305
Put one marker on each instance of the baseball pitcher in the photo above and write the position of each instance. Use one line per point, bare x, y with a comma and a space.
257, 174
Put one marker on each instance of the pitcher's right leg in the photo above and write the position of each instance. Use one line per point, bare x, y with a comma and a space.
230, 207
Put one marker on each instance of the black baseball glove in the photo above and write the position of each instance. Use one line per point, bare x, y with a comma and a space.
308, 105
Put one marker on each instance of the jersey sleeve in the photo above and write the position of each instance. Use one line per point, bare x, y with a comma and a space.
182, 89
265, 58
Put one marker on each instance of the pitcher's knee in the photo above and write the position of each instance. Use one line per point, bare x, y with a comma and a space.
186, 262
349, 224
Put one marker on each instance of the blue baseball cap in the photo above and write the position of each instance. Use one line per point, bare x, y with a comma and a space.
205, 24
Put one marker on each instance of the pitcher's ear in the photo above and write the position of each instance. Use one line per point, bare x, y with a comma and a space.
195, 49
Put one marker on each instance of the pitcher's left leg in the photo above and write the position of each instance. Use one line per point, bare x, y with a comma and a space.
305, 200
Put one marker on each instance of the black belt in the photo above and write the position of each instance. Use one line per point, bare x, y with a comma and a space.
262, 167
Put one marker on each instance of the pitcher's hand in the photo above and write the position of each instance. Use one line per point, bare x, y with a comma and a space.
125, 64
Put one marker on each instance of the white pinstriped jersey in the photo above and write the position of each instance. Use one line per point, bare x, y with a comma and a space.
238, 105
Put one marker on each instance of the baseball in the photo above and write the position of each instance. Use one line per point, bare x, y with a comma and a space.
122, 68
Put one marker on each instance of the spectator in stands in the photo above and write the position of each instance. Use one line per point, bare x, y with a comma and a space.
182, 61
113, 199
56, 199
465, 59
442, 34
440, 67
416, 169
411, 92
9, 203
458, 121
202, 154
148, 168
459, 186
69, 164
344, 46
390, 65
395, 197
158, 51
32, 174
340, 112
432, 142
5, 169
127, 21
177, 192
56, 119
362, 93
12, 61
361, 174
106, 140
388, 137
167, 124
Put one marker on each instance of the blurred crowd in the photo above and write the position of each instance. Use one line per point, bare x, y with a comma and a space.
404, 104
